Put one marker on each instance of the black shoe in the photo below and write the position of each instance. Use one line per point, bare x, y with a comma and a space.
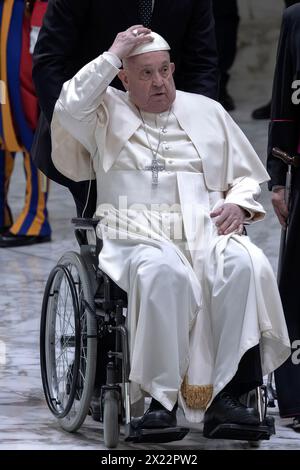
264, 112
4, 230
157, 416
8, 240
226, 409
227, 101
296, 423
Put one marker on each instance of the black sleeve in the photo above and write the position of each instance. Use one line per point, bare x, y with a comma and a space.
284, 130
199, 66
56, 49
288, 3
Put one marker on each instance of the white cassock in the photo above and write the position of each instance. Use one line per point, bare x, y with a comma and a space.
196, 301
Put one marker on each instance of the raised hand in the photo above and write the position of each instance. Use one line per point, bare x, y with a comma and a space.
127, 40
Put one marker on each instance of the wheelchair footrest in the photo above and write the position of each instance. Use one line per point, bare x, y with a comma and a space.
242, 432
155, 435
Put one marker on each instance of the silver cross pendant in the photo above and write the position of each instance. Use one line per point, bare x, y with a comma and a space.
155, 167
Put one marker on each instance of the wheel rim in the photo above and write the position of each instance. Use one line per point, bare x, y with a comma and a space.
61, 339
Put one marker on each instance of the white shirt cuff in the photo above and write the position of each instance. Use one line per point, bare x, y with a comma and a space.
113, 59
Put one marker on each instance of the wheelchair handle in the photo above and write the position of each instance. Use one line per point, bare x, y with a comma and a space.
286, 158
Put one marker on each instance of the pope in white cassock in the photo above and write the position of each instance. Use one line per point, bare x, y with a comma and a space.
176, 182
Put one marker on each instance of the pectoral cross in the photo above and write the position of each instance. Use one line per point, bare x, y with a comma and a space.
155, 167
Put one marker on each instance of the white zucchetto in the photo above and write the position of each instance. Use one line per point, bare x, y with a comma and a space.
158, 44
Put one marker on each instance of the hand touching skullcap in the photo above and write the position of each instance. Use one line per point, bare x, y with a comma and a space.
158, 44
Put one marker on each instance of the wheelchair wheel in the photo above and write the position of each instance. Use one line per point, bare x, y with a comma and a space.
111, 425
253, 400
68, 341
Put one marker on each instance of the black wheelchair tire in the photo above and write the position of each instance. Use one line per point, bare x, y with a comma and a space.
71, 418
111, 424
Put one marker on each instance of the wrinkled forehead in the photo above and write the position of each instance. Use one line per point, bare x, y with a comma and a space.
148, 59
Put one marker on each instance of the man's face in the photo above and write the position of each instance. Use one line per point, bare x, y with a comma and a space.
149, 79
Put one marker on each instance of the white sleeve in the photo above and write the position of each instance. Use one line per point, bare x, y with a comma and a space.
79, 107
113, 59
245, 192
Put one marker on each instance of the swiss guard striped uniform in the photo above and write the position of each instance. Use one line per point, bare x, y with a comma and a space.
19, 24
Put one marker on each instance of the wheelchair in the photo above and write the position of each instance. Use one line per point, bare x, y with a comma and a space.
82, 307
